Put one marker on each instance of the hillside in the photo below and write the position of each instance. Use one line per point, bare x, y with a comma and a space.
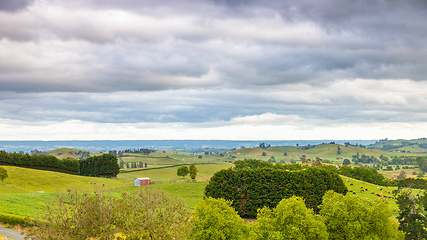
62, 153
402, 145
26, 191
332, 152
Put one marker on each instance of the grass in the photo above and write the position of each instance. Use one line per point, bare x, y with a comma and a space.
205, 171
18, 194
26, 180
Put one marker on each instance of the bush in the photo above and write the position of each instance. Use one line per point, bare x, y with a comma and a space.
215, 219
291, 219
146, 214
251, 189
15, 220
352, 217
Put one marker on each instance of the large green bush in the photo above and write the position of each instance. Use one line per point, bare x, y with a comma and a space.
351, 217
252, 189
215, 219
291, 219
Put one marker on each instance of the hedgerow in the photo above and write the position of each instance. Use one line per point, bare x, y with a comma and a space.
252, 189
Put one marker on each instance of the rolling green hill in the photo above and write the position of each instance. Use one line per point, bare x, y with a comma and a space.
402, 145
26, 191
325, 151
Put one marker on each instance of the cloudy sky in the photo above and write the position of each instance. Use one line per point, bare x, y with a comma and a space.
213, 69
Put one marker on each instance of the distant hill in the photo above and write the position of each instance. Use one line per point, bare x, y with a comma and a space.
62, 153
401, 145
332, 152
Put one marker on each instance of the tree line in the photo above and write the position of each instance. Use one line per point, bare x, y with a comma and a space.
103, 165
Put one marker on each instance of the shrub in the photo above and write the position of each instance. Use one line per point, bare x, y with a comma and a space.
351, 217
215, 219
291, 219
251, 189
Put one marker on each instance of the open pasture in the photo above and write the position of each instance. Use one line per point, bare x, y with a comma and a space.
166, 175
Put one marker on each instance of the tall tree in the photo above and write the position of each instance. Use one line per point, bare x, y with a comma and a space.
193, 171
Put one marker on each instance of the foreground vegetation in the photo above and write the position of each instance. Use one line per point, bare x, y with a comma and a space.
25, 193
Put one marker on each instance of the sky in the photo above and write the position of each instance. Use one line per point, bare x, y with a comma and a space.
213, 69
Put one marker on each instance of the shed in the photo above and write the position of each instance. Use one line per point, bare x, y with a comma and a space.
141, 181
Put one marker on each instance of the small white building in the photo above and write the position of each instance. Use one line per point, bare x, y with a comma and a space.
141, 182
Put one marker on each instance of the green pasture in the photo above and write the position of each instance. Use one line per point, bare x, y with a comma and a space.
324, 151
166, 175
26, 180
19, 193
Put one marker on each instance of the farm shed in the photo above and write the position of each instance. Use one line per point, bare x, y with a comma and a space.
141, 181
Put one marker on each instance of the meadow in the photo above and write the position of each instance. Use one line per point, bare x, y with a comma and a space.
21, 193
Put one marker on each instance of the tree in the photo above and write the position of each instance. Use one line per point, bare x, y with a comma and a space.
317, 162
264, 154
182, 171
216, 219
346, 162
3, 174
411, 218
353, 217
291, 219
193, 171
402, 175
422, 163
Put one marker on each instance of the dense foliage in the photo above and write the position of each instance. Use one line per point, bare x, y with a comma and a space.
412, 205
291, 219
104, 165
145, 214
351, 217
182, 171
19, 159
252, 189
215, 219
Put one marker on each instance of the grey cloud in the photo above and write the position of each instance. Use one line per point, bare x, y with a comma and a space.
343, 102
14, 5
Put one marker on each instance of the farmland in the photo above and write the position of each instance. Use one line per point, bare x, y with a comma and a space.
27, 191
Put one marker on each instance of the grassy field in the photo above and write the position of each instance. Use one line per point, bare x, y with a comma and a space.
166, 175
325, 151
26, 191
19, 193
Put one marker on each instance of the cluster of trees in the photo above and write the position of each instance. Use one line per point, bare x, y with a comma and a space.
20, 159
252, 189
149, 214
121, 153
128, 165
104, 165
264, 145
184, 171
